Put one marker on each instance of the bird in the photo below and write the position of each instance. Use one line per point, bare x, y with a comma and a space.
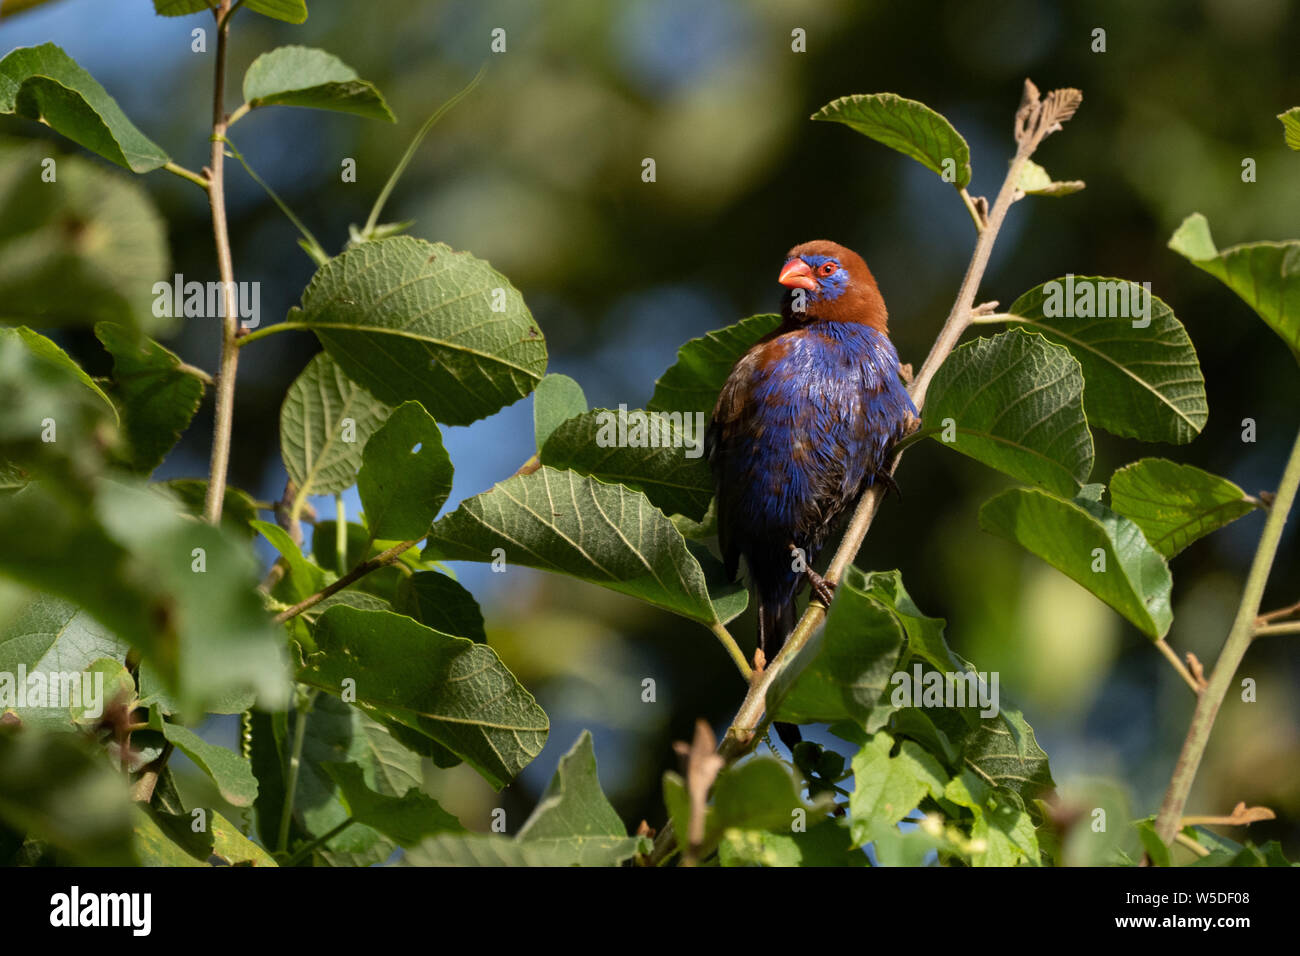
805, 422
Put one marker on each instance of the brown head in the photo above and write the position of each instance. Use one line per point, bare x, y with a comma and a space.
830, 283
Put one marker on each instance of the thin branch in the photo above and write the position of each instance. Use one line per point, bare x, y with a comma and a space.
225, 410
1035, 120
360, 571
1290, 627
1271, 616
1234, 649
1178, 665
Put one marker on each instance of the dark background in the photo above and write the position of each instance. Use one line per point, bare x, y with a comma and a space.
539, 172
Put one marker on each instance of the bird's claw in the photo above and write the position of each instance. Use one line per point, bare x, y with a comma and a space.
822, 589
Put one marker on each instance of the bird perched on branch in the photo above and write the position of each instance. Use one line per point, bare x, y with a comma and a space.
804, 424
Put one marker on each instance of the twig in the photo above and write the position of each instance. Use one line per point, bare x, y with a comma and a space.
225, 410
360, 571
1178, 665
1234, 649
1036, 118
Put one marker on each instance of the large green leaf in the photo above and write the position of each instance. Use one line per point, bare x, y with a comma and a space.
410, 319
290, 11
908, 126
658, 453
1079, 535
1142, 382
450, 689
575, 817
692, 383
405, 474
322, 410
301, 76
556, 399
1015, 402
44, 83
84, 248
157, 393
1176, 504
569, 523
887, 787
1266, 275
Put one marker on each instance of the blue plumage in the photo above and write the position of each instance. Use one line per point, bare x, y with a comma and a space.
805, 422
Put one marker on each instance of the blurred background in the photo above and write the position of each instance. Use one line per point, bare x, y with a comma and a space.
539, 171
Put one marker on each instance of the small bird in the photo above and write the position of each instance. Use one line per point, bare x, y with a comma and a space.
804, 424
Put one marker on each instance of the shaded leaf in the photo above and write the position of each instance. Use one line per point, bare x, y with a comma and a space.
301, 76
1142, 382
908, 126
1176, 504
227, 769
405, 474
825, 844
556, 399
692, 383
1015, 403
1074, 537
442, 603
405, 819
409, 319
564, 522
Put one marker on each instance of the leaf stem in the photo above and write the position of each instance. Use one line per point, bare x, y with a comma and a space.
225, 409
308, 849
178, 170
360, 571
720, 630
1234, 649
312, 247
266, 330
1036, 118
305, 702
1178, 665
340, 532
407, 156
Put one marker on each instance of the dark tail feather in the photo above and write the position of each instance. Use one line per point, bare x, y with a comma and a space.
775, 622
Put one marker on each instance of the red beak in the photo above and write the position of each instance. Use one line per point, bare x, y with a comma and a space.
797, 274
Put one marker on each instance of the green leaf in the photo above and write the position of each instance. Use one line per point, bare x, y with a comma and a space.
692, 383
406, 820
483, 849
1077, 536
305, 579
290, 11
60, 789
1291, 126
564, 522
322, 411
1142, 382
1015, 402
51, 635
887, 788
109, 683
1176, 504
48, 353
44, 83
228, 770
729, 597
908, 126
556, 399
409, 319
1266, 275
450, 689
158, 396
301, 76
405, 474
650, 452
85, 248
442, 603
1002, 829
1004, 751
825, 844
1035, 181
574, 817
844, 671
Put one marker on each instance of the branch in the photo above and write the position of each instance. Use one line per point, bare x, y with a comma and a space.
1035, 119
360, 571
1234, 649
225, 410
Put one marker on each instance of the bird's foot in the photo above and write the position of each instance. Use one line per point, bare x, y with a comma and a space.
823, 590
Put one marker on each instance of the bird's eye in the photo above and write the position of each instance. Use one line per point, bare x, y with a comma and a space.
827, 268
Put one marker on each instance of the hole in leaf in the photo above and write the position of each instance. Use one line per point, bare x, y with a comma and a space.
416, 449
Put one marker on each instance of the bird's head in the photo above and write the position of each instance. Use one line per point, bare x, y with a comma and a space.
827, 282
